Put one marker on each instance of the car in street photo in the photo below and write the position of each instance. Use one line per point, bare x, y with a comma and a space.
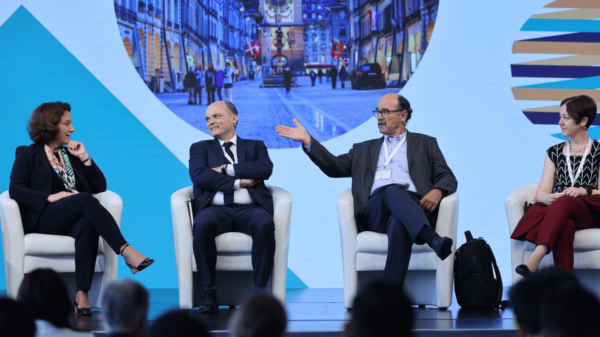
367, 75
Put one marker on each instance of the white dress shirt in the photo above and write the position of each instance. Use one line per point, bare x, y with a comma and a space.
240, 194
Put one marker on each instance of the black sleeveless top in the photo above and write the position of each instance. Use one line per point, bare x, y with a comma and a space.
589, 172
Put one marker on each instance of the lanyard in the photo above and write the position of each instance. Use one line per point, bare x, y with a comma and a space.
585, 153
388, 157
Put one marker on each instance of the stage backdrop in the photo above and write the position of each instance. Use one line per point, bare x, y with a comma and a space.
477, 90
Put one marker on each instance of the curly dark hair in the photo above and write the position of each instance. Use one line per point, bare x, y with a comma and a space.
43, 124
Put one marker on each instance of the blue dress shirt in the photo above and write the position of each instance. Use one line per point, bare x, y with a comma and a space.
398, 164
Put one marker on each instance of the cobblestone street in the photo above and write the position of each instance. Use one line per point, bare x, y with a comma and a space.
326, 113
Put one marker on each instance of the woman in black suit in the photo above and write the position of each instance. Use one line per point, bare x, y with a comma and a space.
53, 186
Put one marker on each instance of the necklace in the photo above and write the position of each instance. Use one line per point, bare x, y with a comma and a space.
576, 151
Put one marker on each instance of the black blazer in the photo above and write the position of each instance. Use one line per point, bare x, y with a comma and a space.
253, 163
426, 163
31, 181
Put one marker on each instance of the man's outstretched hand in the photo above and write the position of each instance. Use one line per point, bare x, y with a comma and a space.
298, 133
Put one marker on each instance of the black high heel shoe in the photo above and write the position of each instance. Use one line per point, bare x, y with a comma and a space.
81, 311
145, 264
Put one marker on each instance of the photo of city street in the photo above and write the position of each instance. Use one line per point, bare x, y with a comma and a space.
326, 113
323, 62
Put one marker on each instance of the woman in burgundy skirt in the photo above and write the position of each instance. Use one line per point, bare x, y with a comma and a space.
568, 198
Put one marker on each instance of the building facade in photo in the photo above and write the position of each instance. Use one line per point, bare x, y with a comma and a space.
164, 38
393, 33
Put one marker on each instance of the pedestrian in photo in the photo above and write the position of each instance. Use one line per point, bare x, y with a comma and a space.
251, 75
211, 83
220, 84
343, 76
334, 74
199, 85
327, 74
320, 74
287, 80
228, 82
313, 77
189, 82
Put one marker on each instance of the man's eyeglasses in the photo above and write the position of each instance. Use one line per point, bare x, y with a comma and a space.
384, 112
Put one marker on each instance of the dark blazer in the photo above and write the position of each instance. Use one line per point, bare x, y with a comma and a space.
426, 163
31, 181
253, 163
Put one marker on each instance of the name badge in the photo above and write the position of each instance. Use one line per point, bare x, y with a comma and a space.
383, 175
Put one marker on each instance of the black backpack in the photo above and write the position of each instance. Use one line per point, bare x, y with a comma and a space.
474, 281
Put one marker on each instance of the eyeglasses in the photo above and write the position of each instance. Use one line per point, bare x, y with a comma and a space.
384, 112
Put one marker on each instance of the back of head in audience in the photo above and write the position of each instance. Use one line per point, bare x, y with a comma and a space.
380, 309
46, 295
177, 323
259, 315
125, 306
572, 311
528, 295
15, 319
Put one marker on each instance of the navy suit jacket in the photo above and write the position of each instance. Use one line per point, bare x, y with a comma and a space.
253, 163
31, 181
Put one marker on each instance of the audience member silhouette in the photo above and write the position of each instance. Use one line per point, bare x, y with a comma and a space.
46, 295
259, 315
15, 319
380, 309
571, 311
125, 307
528, 295
177, 323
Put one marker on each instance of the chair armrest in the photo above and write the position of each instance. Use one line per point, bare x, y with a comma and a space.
13, 238
447, 221
514, 204
348, 234
282, 203
182, 234
113, 203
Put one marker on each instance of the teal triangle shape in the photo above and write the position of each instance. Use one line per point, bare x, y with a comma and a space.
35, 68
293, 281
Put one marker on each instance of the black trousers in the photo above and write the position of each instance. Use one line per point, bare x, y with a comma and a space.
198, 95
333, 82
82, 217
248, 219
312, 81
396, 212
210, 96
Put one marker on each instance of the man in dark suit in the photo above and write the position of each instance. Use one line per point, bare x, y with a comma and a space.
230, 196
398, 182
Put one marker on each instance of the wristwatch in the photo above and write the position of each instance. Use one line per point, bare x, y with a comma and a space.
588, 190
224, 168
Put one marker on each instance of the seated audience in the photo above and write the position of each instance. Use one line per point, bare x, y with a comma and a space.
260, 315
528, 295
15, 319
380, 309
177, 323
572, 311
46, 295
125, 307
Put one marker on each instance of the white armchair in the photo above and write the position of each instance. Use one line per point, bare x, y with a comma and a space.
25, 253
429, 280
234, 278
586, 245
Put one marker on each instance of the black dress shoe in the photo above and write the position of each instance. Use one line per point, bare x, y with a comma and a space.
81, 311
523, 270
442, 247
210, 303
